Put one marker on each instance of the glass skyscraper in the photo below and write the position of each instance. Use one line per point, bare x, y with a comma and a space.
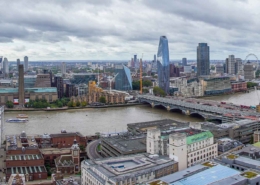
203, 63
123, 81
163, 66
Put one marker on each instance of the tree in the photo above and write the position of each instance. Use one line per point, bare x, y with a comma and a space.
159, 91
60, 104
147, 83
9, 104
70, 104
83, 104
102, 99
82, 148
136, 85
251, 84
78, 104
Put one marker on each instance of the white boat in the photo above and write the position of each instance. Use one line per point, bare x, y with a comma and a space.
16, 120
22, 116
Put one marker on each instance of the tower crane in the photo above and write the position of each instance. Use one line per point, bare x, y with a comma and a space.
111, 81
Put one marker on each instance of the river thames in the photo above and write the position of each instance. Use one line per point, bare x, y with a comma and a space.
90, 121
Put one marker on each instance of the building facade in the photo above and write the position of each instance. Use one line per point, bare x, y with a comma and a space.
58, 83
187, 146
21, 99
43, 80
249, 72
184, 61
238, 86
231, 65
163, 64
63, 68
134, 169
218, 85
123, 80
6, 68
203, 61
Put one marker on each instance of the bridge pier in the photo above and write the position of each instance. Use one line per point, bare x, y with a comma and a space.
168, 108
187, 112
152, 105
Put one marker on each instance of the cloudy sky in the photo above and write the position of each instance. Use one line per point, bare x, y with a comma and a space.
117, 29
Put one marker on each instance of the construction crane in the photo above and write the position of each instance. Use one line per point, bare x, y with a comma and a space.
111, 81
141, 75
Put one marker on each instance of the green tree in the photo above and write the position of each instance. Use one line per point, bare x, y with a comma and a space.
70, 104
59, 104
147, 83
82, 148
102, 99
83, 104
159, 91
251, 84
257, 73
136, 85
9, 104
78, 104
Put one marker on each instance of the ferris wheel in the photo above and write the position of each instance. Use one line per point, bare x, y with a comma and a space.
255, 63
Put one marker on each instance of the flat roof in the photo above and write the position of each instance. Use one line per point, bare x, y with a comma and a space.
46, 151
208, 176
29, 90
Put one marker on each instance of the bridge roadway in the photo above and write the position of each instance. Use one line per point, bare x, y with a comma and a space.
192, 107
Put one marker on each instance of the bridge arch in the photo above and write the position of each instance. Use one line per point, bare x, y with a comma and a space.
177, 110
160, 106
196, 114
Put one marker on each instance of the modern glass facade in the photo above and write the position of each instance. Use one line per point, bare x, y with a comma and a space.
123, 81
203, 63
29, 81
83, 78
163, 66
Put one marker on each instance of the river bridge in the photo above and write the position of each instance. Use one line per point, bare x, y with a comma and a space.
208, 111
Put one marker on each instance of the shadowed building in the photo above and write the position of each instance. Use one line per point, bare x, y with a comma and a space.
203, 63
163, 68
21, 85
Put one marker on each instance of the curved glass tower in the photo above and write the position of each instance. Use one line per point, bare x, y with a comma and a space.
163, 67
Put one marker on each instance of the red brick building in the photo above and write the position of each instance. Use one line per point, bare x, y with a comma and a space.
238, 86
24, 157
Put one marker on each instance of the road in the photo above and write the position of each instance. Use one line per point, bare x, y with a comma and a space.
92, 150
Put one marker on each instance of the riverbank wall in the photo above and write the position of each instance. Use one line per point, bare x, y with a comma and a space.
69, 108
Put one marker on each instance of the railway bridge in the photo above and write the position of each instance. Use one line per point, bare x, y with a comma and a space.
194, 108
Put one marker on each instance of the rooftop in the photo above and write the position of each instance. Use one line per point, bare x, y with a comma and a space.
132, 165
29, 90
126, 142
61, 151
208, 176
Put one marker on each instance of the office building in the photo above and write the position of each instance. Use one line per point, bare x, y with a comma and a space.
83, 78
70, 90
18, 63
1, 63
219, 69
239, 86
21, 99
163, 64
6, 68
2, 119
133, 169
135, 61
58, 83
249, 72
26, 63
187, 146
231, 64
228, 145
239, 66
123, 80
184, 61
219, 85
63, 68
203, 61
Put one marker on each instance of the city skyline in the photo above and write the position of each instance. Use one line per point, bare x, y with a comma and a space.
111, 30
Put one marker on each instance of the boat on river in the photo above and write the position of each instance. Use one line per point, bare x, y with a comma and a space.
22, 116
17, 120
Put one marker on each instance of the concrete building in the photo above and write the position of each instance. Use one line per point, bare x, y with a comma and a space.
26, 62
175, 70
21, 98
70, 90
187, 146
18, 62
212, 173
239, 66
219, 69
231, 64
63, 68
121, 144
58, 83
134, 169
6, 68
184, 61
249, 72
2, 120
187, 88
203, 61
228, 145
43, 80
256, 136
218, 85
